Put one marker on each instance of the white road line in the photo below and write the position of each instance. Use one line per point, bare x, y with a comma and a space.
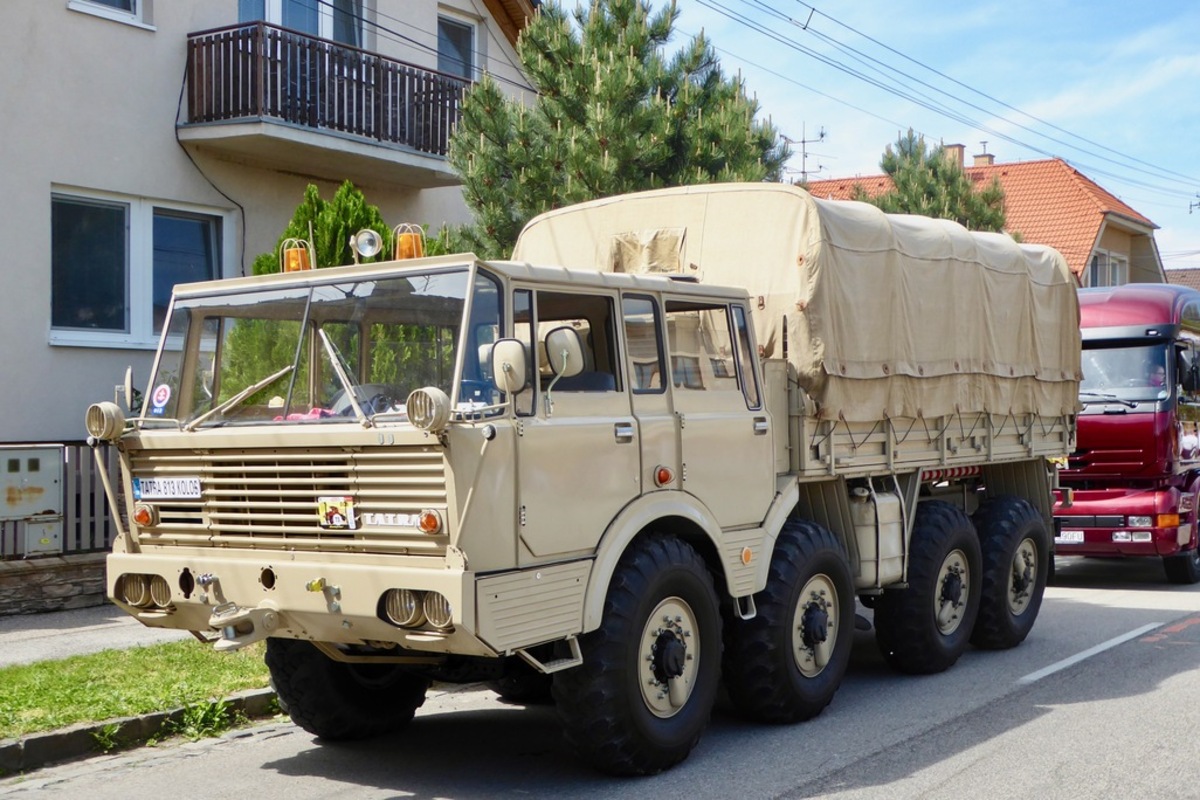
1091, 651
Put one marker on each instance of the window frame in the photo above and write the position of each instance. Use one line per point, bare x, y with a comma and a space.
1112, 264
326, 13
472, 70
139, 265
140, 17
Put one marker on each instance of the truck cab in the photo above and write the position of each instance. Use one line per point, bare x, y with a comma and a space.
1129, 489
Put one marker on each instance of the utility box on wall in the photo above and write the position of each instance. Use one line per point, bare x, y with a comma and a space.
31, 480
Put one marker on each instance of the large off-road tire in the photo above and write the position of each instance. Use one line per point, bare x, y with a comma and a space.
1016, 561
1183, 568
339, 701
925, 628
644, 693
785, 664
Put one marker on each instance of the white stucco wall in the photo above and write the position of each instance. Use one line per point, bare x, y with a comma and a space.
90, 104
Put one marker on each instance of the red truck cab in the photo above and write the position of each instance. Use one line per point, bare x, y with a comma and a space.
1130, 487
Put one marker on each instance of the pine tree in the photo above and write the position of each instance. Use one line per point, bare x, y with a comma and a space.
926, 182
613, 114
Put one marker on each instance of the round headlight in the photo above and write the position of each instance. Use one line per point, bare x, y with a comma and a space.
403, 608
437, 610
428, 409
134, 589
160, 591
105, 421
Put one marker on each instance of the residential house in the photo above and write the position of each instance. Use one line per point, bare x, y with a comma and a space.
1103, 239
149, 142
1184, 277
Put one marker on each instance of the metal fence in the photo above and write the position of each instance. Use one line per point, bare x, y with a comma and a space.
87, 521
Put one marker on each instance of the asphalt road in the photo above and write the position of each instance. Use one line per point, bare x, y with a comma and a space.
1102, 700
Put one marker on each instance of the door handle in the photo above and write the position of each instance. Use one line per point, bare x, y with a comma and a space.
623, 432
760, 426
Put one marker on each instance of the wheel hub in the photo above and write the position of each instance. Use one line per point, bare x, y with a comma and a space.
669, 651
952, 588
669, 655
816, 624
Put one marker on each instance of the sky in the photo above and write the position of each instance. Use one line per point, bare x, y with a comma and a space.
1110, 86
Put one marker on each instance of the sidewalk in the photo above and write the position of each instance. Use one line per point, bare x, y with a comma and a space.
27, 638
55, 635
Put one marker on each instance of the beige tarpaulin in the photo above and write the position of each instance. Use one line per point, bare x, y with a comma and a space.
885, 315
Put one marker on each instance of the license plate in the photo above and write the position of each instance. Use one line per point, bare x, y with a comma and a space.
166, 488
1069, 537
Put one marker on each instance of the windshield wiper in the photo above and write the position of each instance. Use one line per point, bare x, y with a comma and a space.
348, 386
238, 398
1110, 398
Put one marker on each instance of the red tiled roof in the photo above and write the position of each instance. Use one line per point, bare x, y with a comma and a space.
1046, 202
1184, 277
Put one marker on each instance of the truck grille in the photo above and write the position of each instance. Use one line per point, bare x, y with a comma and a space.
269, 500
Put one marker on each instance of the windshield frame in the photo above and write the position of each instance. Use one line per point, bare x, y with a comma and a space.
189, 350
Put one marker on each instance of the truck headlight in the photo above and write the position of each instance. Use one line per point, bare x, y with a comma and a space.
1141, 522
428, 409
105, 421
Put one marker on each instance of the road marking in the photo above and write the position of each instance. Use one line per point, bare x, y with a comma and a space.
1091, 651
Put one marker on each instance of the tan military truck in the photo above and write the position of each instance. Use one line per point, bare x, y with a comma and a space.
666, 446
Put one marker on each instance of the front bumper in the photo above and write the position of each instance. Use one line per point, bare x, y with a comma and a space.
1097, 523
274, 594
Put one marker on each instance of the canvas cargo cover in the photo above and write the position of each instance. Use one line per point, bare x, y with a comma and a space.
882, 316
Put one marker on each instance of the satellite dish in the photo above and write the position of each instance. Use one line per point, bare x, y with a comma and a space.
366, 243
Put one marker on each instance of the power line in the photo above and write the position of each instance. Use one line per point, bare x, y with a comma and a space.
891, 85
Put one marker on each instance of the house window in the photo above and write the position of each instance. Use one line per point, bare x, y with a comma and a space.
1108, 269
339, 20
134, 12
456, 48
114, 262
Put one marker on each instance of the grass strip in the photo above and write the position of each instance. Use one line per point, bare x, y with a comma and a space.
117, 683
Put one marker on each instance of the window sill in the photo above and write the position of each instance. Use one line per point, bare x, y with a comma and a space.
106, 341
106, 12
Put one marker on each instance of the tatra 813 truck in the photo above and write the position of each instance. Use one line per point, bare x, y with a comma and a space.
1130, 487
666, 446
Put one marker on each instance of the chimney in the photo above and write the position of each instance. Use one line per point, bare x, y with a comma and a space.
985, 160
955, 153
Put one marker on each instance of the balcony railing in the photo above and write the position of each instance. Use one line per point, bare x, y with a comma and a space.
262, 72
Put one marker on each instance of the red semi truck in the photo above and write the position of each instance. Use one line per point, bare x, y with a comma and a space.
1130, 487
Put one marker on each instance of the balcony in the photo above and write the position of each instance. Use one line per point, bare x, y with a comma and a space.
274, 98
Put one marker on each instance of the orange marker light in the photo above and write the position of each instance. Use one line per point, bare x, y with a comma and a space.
144, 514
663, 476
429, 521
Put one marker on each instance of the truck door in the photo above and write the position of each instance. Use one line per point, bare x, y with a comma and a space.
658, 427
725, 432
577, 460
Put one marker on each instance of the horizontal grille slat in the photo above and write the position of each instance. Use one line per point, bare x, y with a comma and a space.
270, 500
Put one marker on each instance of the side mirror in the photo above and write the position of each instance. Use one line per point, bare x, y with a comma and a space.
508, 366
1191, 379
565, 352
128, 387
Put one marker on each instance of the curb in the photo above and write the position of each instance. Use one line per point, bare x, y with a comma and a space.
77, 741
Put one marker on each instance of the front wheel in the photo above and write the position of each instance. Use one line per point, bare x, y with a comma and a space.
1015, 569
339, 701
1183, 568
786, 663
925, 628
643, 695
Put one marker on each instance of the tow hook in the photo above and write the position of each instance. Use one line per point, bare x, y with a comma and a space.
240, 626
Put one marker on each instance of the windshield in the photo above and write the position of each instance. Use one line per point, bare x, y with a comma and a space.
312, 354
1126, 372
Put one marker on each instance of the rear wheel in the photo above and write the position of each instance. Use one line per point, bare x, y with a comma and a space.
1015, 568
786, 663
645, 690
340, 701
925, 628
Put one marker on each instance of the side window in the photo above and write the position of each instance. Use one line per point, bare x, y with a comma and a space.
523, 331
645, 345
594, 319
745, 362
701, 347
